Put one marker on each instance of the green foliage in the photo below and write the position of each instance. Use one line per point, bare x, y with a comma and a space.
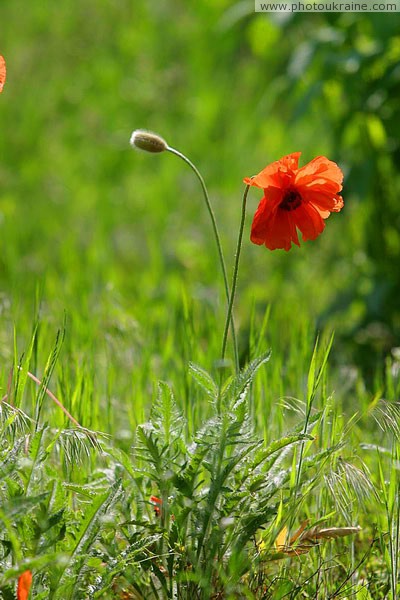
47, 525
220, 496
194, 513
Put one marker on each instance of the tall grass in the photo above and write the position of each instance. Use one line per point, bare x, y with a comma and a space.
77, 508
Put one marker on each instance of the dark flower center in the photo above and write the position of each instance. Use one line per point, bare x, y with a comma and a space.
291, 200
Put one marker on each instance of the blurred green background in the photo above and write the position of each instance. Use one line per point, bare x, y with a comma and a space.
120, 242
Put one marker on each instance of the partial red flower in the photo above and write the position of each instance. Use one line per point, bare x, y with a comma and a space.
24, 585
295, 199
157, 504
3, 72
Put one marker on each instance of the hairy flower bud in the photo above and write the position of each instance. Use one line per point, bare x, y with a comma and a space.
148, 141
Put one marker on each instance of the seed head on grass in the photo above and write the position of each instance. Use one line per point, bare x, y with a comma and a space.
303, 540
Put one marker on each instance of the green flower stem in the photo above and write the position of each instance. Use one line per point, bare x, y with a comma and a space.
235, 273
219, 246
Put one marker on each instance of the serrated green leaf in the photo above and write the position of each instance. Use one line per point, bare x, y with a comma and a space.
245, 378
204, 380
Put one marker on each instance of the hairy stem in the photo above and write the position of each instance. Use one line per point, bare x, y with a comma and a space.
235, 273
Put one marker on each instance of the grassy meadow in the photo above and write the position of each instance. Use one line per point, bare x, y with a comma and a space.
139, 465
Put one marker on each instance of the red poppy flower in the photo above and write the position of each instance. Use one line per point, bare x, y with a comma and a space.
295, 199
24, 585
3, 72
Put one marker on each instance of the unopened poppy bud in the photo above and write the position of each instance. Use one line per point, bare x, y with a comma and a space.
148, 141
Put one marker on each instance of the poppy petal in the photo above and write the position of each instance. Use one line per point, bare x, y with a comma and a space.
281, 231
273, 227
291, 161
277, 174
322, 201
324, 213
309, 221
339, 203
24, 585
268, 204
3, 72
259, 226
320, 171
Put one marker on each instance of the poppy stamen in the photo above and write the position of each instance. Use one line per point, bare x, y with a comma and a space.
291, 200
